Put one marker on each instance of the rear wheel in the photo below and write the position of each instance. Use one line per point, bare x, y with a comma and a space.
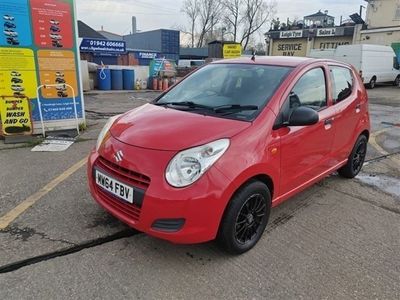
397, 81
245, 218
356, 159
372, 83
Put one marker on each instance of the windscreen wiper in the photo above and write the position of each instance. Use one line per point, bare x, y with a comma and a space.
233, 108
189, 104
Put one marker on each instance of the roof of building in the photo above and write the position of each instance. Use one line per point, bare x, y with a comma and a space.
85, 31
318, 14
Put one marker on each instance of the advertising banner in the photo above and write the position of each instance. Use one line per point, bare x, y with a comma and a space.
38, 47
102, 46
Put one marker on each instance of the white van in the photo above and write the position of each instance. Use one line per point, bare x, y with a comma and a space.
189, 63
375, 63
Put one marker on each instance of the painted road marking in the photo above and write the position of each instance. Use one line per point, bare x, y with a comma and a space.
374, 143
8, 218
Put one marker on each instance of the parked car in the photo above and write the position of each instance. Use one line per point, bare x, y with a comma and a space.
9, 25
62, 94
209, 158
56, 44
8, 18
60, 80
12, 41
54, 22
17, 88
55, 36
54, 28
15, 74
10, 32
375, 63
16, 80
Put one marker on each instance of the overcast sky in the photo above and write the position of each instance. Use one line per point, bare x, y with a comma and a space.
115, 15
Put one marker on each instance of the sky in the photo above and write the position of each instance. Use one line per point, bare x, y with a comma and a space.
115, 15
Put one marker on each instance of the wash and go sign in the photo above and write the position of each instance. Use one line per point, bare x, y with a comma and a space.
38, 47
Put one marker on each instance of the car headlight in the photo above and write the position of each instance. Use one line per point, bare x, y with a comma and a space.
105, 130
189, 165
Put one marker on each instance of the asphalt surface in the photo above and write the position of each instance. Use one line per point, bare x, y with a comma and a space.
339, 239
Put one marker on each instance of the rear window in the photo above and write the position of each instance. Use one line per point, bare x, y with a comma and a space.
342, 83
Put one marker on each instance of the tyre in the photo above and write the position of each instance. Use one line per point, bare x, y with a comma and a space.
372, 83
396, 82
245, 218
356, 159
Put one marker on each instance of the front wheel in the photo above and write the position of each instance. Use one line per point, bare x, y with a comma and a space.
245, 218
372, 83
356, 159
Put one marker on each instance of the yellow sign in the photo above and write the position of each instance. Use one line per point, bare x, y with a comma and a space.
232, 50
17, 73
15, 115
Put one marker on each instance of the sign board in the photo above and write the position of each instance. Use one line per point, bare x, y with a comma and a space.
15, 116
291, 34
147, 55
332, 42
231, 50
326, 32
292, 47
161, 66
39, 47
103, 46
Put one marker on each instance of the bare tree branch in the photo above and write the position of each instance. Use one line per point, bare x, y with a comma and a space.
191, 9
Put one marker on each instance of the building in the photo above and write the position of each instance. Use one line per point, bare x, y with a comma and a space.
317, 31
164, 41
382, 24
110, 35
319, 19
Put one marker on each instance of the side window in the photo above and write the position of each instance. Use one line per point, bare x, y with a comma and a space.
396, 63
342, 83
309, 91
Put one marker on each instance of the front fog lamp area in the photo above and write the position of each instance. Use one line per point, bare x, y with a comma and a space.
189, 165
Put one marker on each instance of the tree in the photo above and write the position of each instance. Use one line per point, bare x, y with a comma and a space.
210, 14
191, 9
256, 14
232, 16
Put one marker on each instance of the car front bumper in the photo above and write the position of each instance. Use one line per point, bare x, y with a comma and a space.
188, 215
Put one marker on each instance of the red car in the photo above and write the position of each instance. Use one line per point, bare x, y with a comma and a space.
210, 157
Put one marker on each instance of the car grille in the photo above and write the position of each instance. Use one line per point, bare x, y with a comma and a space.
131, 211
136, 179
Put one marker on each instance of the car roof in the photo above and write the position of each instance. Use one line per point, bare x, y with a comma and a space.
287, 61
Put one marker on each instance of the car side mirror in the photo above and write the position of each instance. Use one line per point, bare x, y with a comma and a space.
303, 116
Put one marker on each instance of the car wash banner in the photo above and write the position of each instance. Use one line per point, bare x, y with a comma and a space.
38, 47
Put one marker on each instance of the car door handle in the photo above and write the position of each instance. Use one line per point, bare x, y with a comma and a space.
358, 108
328, 123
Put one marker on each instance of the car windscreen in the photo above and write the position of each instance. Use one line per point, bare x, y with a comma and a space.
236, 91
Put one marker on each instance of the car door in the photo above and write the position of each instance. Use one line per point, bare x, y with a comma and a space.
306, 150
345, 99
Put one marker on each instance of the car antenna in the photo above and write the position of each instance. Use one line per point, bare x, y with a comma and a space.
253, 57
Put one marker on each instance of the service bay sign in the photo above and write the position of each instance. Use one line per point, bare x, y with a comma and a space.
15, 116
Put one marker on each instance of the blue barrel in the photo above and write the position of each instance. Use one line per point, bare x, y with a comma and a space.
116, 80
129, 79
104, 79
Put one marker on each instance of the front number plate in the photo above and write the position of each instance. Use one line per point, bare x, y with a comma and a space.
115, 187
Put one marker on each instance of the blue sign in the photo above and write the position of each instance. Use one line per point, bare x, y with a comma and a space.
103, 46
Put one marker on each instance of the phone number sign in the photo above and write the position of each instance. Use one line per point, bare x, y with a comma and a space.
104, 46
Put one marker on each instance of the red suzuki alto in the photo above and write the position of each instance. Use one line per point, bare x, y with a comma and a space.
210, 157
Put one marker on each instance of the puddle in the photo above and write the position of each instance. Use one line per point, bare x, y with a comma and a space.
387, 184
